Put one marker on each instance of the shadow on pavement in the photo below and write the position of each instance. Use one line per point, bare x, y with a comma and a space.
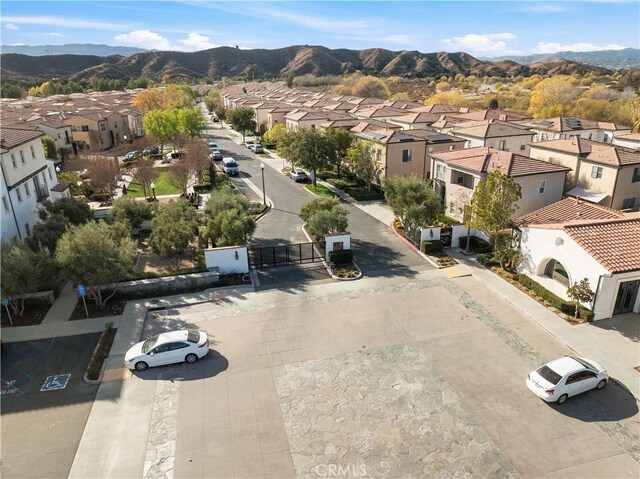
626, 324
613, 403
211, 365
379, 260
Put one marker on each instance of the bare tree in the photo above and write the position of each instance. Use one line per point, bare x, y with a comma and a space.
198, 157
104, 173
146, 173
180, 172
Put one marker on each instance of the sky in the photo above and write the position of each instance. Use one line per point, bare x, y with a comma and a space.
480, 28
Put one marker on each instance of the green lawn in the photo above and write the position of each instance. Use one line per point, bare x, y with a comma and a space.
163, 187
320, 190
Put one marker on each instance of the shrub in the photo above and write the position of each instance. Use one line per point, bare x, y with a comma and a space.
432, 246
101, 352
477, 244
341, 257
487, 259
566, 307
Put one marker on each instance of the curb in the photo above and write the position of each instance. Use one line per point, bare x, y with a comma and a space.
85, 378
410, 245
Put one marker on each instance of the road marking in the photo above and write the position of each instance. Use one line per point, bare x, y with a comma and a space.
55, 382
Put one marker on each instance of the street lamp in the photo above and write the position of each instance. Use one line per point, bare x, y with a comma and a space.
264, 194
153, 189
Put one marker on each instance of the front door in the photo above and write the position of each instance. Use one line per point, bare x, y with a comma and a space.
626, 298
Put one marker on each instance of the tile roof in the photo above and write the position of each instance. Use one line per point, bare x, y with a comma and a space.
494, 114
417, 117
569, 209
595, 151
12, 137
562, 124
376, 111
61, 186
483, 160
493, 129
629, 136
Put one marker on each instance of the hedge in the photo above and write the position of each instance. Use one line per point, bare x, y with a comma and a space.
101, 352
477, 244
432, 246
566, 307
341, 257
487, 259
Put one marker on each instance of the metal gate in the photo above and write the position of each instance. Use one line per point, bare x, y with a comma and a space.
445, 236
413, 235
285, 255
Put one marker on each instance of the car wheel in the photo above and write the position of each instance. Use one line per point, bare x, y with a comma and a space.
191, 358
141, 366
562, 399
601, 384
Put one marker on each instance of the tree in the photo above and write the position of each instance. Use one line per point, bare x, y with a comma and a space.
9, 90
552, 97
242, 119
412, 200
340, 140
226, 199
362, 161
580, 292
161, 125
442, 87
104, 173
99, 255
49, 147
55, 218
494, 203
508, 253
25, 271
180, 174
76, 211
323, 216
190, 122
309, 149
290, 78
197, 156
162, 99
174, 229
145, 173
229, 222
371, 87
273, 135
131, 212
493, 104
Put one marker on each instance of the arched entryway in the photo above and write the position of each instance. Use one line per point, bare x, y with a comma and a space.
556, 271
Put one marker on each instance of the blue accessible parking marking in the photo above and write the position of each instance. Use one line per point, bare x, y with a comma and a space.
53, 383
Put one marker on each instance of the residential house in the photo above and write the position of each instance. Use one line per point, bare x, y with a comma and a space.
276, 115
459, 172
607, 174
27, 179
573, 239
496, 134
90, 131
376, 112
310, 119
563, 127
492, 114
630, 140
415, 120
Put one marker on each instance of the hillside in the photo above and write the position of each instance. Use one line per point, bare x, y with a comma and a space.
295, 60
610, 59
71, 49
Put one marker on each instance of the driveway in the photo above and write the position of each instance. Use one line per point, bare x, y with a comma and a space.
382, 377
41, 429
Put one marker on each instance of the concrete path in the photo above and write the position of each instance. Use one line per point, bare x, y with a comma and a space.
63, 306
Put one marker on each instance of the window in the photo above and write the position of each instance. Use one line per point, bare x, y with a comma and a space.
452, 207
596, 172
27, 228
502, 145
441, 170
313, 127
636, 175
459, 179
628, 203
13, 160
175, 346
22, 157
5, 203
19, 194
50, 175
430, 149
193, 336
86, 127
451, 147
590, 136
163, 348
33, 152
27, 190
406, 156
44, 179
523, 147
542, 187
556, 271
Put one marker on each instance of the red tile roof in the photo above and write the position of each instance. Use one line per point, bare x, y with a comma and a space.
569, 209
12, 137
596, 151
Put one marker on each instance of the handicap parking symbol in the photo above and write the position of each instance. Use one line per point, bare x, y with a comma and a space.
58, 381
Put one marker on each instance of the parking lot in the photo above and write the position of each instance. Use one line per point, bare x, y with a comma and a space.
396, 379
45, 404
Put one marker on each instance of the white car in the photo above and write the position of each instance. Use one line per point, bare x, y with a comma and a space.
298, 174
168, 348
564, 377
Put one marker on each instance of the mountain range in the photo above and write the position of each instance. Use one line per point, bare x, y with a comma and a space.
277, 63
71, 49
611, 59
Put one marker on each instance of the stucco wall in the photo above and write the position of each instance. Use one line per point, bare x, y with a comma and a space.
228, 259
172, 283
532, 199
418, 164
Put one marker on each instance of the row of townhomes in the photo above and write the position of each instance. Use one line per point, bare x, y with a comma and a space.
77, 122
580, 180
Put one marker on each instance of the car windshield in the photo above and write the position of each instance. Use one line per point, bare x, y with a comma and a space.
549, 374
149, 344
231, 164
193, 336
586, 364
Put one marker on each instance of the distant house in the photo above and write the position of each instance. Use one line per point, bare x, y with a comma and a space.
28, 178
492, 114
604, 173
496, 134
459, 172
629, 140
310, 119
564, 127
573, 239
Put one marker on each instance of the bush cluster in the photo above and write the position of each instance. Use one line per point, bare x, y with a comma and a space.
433, 246
477, 244
341, 257
487, 259
566, 307
101, 352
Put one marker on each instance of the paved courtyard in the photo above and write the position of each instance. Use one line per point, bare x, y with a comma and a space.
374, 378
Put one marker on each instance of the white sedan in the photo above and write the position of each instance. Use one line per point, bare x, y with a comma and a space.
168, 348
564, 377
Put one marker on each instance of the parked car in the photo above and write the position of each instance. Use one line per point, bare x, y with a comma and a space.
171, 156
564, 377
132, 156
249, 143
168, 348
215, 155
230, 167
257, 148
213, 146
151, 151
298, 174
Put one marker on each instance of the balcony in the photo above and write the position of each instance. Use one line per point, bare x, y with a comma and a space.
42, 192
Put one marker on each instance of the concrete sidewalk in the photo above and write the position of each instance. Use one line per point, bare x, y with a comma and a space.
62, 308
